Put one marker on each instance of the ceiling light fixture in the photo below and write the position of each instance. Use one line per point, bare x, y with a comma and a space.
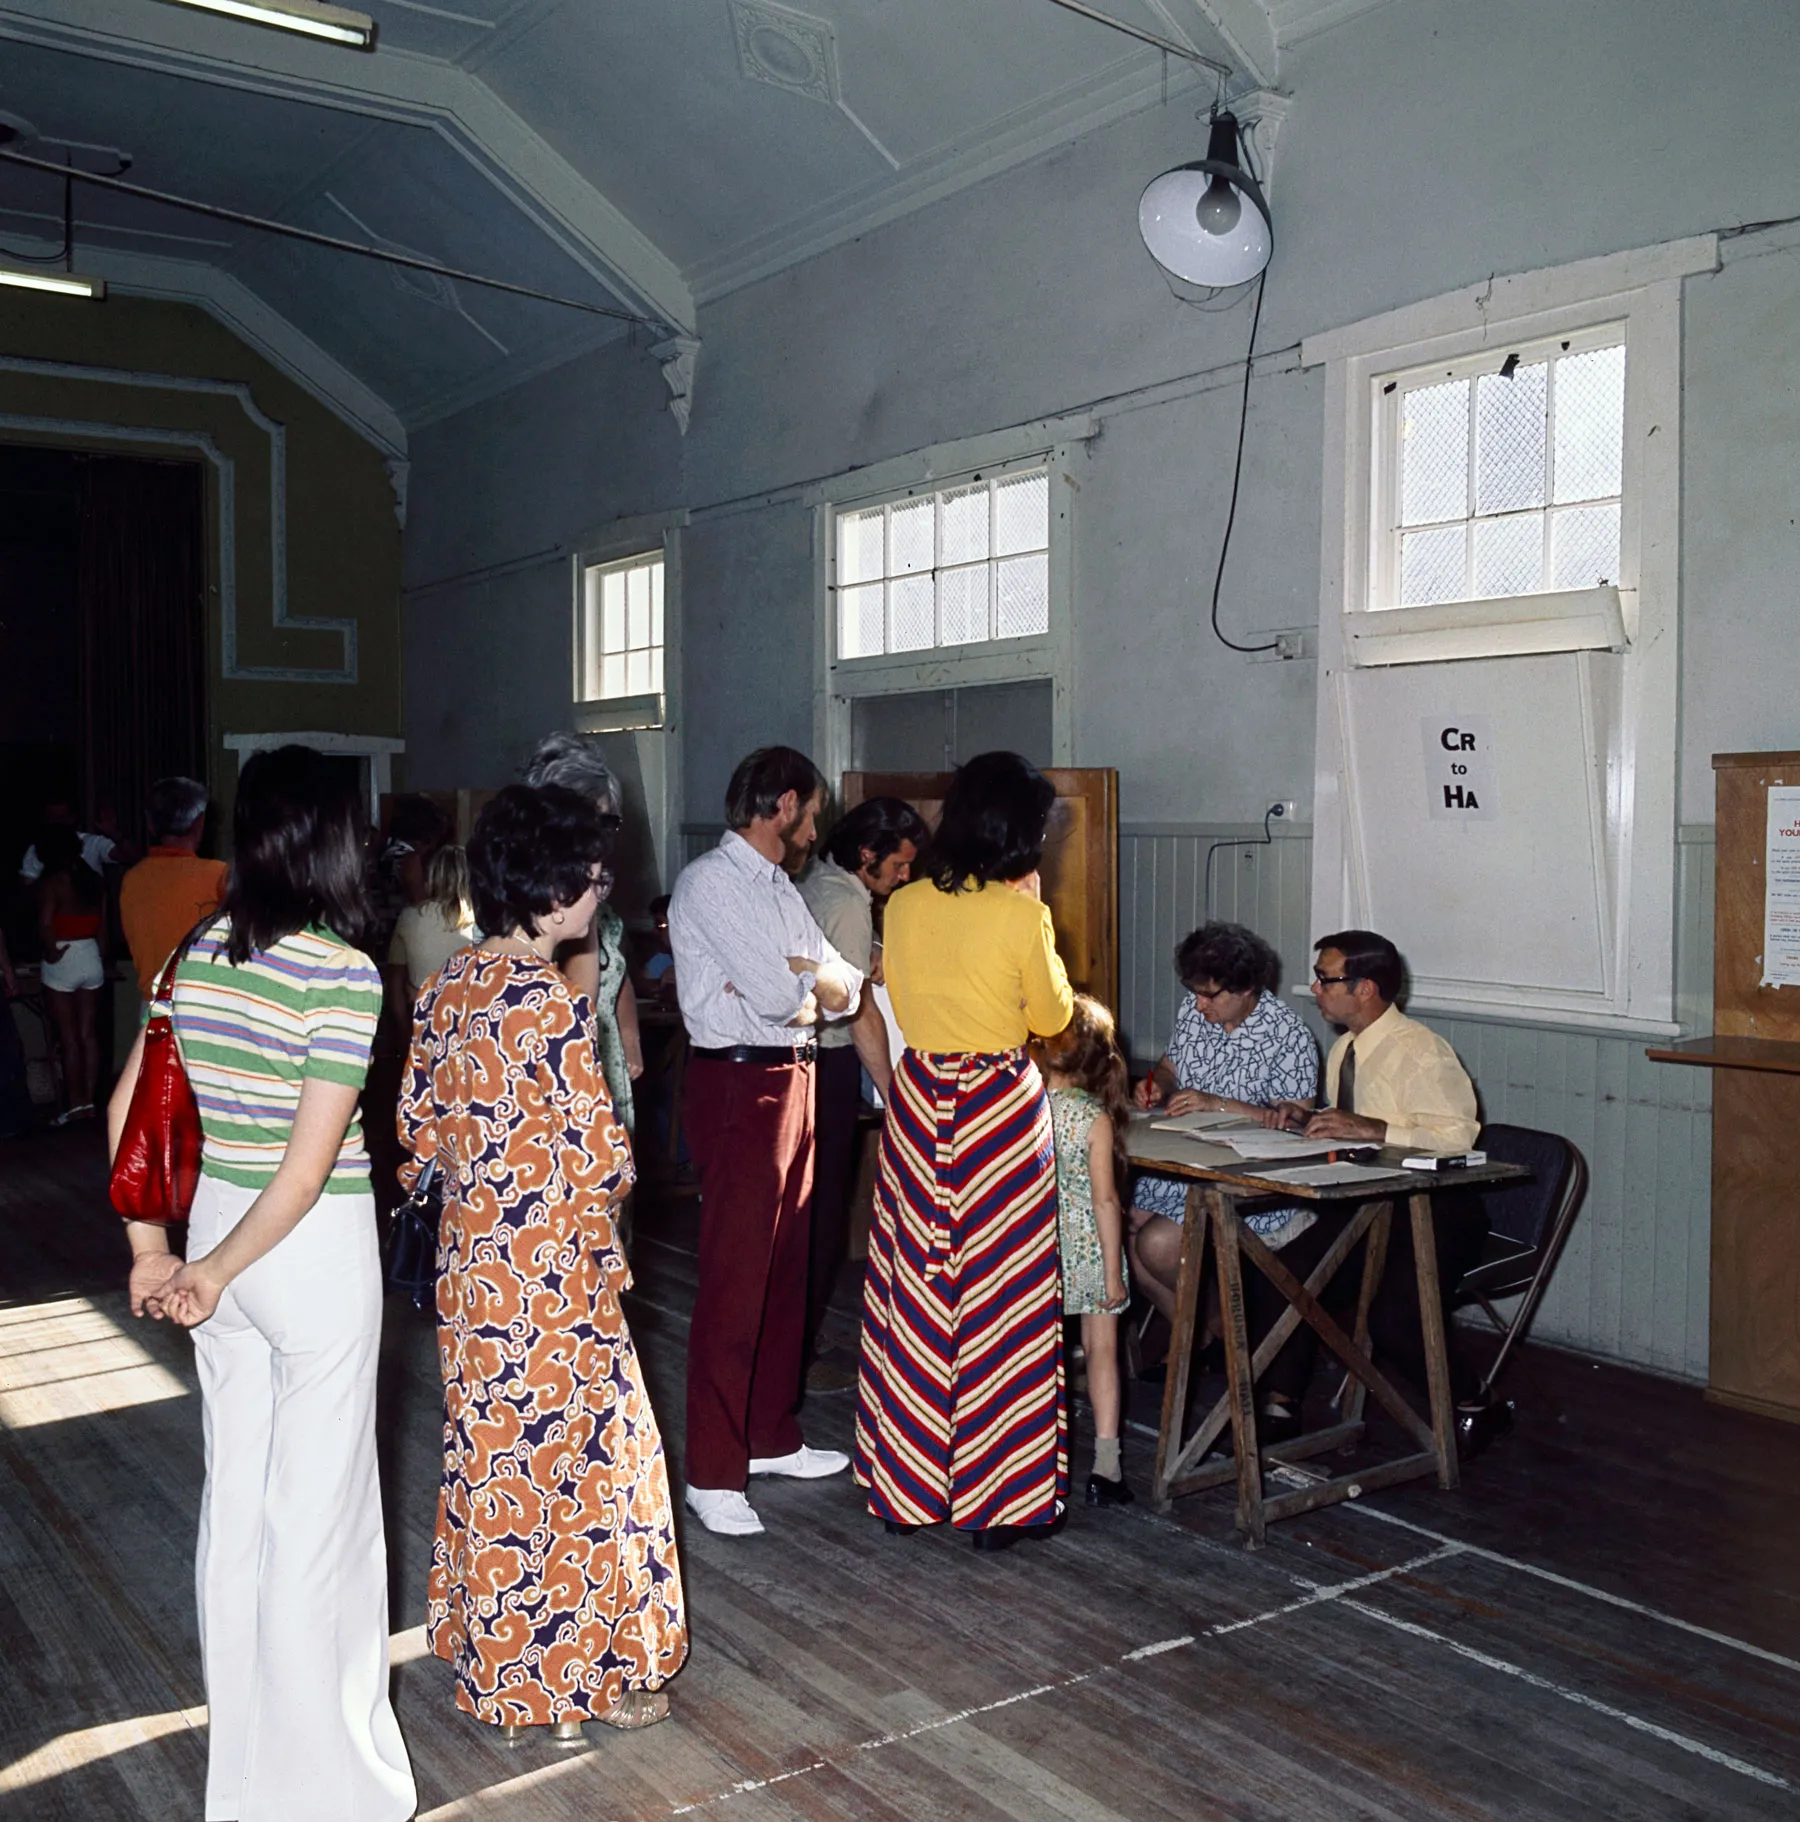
64, 284
1208, 223
310, 18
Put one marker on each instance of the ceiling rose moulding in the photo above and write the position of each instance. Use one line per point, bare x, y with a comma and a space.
394, 86
794, 51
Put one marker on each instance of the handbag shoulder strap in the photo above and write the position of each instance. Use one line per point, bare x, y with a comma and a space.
165, 985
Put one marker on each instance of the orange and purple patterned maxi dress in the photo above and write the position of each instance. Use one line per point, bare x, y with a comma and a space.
554, 1579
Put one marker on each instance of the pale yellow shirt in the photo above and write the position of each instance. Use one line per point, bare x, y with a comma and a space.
1408, 1076
975, 970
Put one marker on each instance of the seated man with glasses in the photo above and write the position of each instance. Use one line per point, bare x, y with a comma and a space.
1235, 1049
1388, 1081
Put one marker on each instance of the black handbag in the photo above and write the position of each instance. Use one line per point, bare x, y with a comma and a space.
409, 1266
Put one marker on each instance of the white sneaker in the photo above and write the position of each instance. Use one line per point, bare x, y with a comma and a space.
803, 1464
724, 1510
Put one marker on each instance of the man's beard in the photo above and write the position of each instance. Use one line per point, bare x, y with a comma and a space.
793, 853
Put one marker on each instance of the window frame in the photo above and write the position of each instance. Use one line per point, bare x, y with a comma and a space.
626, 713
1388, 389
840, 682
1643, 290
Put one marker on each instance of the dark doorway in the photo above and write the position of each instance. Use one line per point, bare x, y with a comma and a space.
102, 634
102, 645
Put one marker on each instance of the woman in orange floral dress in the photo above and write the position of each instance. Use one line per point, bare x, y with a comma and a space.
555, 1590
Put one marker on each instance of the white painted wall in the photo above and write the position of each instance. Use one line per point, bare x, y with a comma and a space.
1430, 143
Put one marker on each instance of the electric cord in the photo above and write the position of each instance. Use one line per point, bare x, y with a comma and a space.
1266, 840
1237, 476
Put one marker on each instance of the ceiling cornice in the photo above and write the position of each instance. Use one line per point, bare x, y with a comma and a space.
1245, 26
393, 85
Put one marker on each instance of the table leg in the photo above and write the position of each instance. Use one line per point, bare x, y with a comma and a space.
1181, 1344
1431, 1322
1239, 1370
1350, 1407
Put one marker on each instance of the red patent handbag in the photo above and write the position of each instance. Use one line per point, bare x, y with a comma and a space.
157, 1167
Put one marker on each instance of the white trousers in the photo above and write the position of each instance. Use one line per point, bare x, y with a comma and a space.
292, 1566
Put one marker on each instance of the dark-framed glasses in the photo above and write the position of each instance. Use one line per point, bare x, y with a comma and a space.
1333, 980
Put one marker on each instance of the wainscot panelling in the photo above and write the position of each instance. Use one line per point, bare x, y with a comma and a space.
1633, 1281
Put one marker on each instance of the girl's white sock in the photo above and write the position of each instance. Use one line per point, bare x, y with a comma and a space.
1106, 1457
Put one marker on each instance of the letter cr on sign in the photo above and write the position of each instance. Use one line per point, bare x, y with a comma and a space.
1461, 782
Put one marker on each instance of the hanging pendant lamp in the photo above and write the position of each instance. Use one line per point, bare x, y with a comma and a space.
1208, 223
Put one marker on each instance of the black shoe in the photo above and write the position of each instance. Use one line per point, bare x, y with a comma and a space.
1477, 1430
993, 1539
1277, 1423
1104, 1492
894, 1528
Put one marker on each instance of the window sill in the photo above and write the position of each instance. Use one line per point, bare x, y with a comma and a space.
1576, 620
620, 714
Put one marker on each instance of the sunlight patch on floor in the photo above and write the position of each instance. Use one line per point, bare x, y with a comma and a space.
71, 1359
70, 1751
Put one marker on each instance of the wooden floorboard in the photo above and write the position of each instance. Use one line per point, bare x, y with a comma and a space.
1603, 1620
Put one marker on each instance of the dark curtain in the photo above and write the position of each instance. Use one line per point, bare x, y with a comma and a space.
141, 596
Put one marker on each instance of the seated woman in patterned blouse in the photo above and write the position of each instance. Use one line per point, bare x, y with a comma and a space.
555, 1590
1235, 1049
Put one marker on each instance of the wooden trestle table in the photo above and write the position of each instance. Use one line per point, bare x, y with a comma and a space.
1219, 1183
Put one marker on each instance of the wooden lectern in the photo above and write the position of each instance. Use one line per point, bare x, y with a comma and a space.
1754, 1053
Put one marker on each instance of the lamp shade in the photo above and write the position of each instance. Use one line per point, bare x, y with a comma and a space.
1208, 222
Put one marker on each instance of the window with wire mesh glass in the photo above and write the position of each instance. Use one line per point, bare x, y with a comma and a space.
1502, 476
965, 565
619, 651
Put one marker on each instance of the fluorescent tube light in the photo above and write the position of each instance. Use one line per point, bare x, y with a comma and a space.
64, 284
311, 18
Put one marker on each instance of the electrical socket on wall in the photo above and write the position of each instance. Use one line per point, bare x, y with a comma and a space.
1283, 810
1295, 642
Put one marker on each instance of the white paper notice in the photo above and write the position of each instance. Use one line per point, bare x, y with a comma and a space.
1781, 889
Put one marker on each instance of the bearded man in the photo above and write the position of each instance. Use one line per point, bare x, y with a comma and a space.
753, 973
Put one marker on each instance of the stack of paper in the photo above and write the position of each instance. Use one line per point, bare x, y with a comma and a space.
1318, 1176
1206, 1122
1261, 1144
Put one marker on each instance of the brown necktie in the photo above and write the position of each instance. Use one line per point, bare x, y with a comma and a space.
1346, 1088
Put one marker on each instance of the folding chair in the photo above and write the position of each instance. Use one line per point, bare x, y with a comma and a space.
1528, 1224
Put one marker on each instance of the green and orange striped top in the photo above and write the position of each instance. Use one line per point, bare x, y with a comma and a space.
250, 1036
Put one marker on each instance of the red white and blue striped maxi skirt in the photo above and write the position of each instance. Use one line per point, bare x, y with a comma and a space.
960, 1399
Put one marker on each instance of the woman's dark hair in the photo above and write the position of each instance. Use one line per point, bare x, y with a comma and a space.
1368, 957
1087, 1051
59, 851
299, 852
420, 823
995, 815
535, 847
1228, 956
880, 825
763, 779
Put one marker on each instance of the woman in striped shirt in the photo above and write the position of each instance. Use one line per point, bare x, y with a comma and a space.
274, 1012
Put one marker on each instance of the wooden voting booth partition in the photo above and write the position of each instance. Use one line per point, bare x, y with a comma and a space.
1754, 1054
1080, 873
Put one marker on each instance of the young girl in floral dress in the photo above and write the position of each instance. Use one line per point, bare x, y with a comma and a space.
1089, 1106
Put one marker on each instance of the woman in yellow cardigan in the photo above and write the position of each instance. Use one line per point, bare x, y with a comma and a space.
960, 1403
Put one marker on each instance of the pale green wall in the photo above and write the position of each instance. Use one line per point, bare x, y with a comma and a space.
341, 532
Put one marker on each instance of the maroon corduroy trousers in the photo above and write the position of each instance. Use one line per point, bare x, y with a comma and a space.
750, 1129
